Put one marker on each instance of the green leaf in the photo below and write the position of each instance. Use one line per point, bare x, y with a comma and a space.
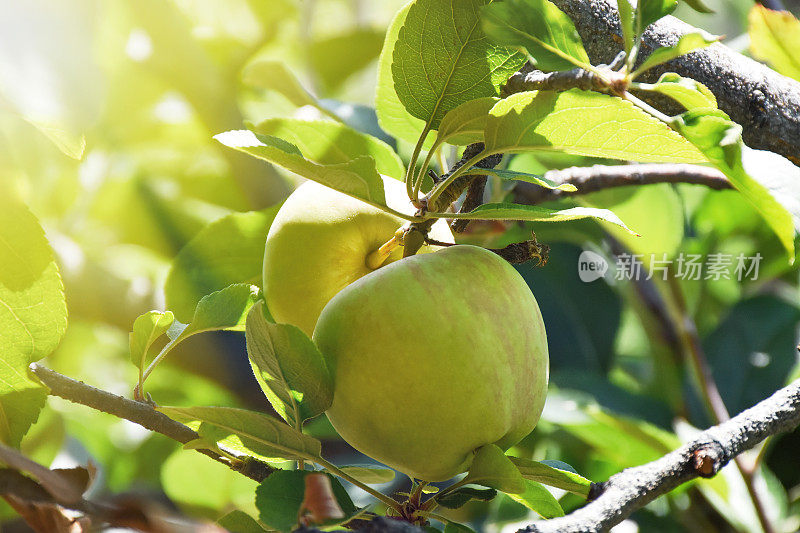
392, 115
197, 481
460, 497
698, 6
455, 527
652, 10
775, 38
331, 143
442, 58
33, 315
229, 250
689, 93
357, 178
465, 124
276, 76
583, 123
289, 367
371, 475
539, 180
537, 498
336, 58
541, 28
146, 329
280, 496
627, 20
534, 213
224, 309
686, 43
552, 476
720, 139
262, 433
492, 468
240, 522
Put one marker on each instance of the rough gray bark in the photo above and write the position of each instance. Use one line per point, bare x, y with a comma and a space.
765, 103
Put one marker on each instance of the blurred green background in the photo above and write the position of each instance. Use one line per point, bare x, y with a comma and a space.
107, 109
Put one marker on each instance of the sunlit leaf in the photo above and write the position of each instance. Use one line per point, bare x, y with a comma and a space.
465, 124
279, 499
537, 498
720, 139
331, 143
541, 28
289, 367
583, 123
535, 213
264, 434
442, 58
33, 314
652, 10
357, 178
240, 522
686, 43
276, 76
529, 178
229, 250
775, 38
392, 115
554, 477
336, 58
492, 468
627, 22
146, 329
687, 92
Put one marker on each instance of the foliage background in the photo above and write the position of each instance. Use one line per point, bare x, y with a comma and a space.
135, 90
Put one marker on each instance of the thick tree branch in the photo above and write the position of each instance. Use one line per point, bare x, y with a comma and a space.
139, 413
704, 456
765, 103
599, 177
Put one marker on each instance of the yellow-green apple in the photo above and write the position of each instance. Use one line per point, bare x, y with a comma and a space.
319, 242
434, 356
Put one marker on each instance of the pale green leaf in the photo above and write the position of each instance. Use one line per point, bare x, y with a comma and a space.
536, 179
357, 178
687, 92
720, 139
775, 38
492, 468
554, 477
334, 59
541, 28
537, 498
686, 43
263, 434
276, 76
371, 475
33, 315
583, 123
442, 58
70, 143
146, 329
289, 367
229, 250
224, 309
627, 19
331, 143
465, 124
392, 115
535, 213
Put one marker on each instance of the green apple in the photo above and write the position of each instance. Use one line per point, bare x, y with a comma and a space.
319, 242
434, 356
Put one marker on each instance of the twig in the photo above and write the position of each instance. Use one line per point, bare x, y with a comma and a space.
765, 103
142, 414
601, 177
704, 456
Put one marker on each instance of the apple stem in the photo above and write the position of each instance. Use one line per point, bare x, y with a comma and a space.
376, 258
